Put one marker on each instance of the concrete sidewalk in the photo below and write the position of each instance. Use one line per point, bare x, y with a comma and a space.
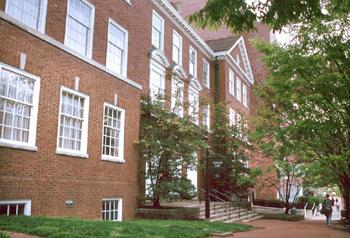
285, 229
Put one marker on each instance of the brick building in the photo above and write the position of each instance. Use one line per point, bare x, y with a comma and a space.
71, 76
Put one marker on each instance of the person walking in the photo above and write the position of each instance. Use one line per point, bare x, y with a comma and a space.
337, 204
327, 209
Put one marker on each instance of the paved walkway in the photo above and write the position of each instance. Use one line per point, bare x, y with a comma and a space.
285, 229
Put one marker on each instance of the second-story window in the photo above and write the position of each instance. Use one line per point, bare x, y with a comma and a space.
117, 49
30, 12
79, 26
193, 62
206, 117
157, 81
245, 95
177, 96
239, 89
157, 31
231, 83
193, 107
232, 117
206, 74
177, 48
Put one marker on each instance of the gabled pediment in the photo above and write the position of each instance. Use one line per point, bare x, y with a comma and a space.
195, 84
179, 71
159, 56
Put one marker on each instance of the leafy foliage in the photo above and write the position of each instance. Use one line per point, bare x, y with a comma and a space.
305, 101
167, 143
241, 15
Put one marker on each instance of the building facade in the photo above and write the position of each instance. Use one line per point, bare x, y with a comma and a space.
71, 76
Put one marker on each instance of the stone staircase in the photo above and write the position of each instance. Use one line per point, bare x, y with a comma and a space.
224, 212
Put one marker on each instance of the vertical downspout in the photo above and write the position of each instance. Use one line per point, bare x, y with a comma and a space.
216, 80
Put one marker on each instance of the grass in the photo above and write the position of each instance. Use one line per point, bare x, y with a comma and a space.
76, 228
284, 217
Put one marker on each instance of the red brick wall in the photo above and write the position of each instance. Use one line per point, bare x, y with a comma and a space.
50, 179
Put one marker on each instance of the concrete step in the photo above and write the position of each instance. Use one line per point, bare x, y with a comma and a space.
229, 212
245, 218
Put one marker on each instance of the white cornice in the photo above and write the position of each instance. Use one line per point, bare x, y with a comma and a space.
187, 29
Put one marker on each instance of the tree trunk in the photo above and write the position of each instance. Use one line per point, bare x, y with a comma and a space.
156, 202
347, 202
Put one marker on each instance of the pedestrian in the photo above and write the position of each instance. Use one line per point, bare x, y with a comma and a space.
327, 209
337, 204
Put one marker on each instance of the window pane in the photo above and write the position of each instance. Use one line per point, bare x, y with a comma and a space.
116, 49
26, 11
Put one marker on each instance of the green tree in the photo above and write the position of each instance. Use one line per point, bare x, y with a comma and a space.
228, 146
166, 144
241, 15
306, 99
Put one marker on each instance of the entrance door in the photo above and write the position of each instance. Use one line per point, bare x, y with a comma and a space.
192, 173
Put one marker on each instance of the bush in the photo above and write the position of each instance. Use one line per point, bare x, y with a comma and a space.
284, 217
276, 203
4, 234
311, 200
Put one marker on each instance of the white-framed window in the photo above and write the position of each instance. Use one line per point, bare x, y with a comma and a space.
29, 12
80, 26
239, 124
193, 107
206, 117
239, 89
73, 123
245, 95
19, 101
157, 80
157, 31
15, 207
206, 74
117, 48
232, 117
113, 133
193, 62
177, 48
177, 96
112, 209
231, 82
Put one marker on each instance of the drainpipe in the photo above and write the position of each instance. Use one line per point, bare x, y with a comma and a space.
216, 80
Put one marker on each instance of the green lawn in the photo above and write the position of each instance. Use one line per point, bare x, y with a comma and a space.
74, 228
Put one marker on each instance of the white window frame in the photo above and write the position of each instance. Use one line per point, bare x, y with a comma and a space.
154, 66
161, 46
239, 89
84, 135
245, 94
232, 117
239, 123
120, 208
31, 144
109, 65
27, 205
180, 49
42, 15
194, 73
120, 158
206, 81
231, 82
176, 84
91, 32
193, 108
206, 120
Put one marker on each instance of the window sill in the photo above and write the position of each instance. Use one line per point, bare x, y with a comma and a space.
20, 146
72, 153
113, 159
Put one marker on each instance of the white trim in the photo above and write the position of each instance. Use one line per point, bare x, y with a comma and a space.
232, 117
159, 57
181, 48
31, 144
84, 135
121, 158
231, 79
193, 107
161, 47
27, 205
42, 15
179, 71
206, 63
159, 69
235, 66
120, 207
239, 89
245, 95
125, 46
91, 29
67, 50
178, 20
177, 103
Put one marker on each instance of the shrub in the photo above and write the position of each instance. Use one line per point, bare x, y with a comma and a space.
276, 203
284, 217
4, 234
